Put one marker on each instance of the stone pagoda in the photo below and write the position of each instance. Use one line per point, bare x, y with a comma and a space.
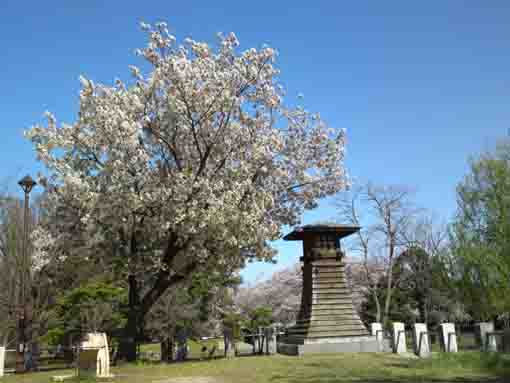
327, 320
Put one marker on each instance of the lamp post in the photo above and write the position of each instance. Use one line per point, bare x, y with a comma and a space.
27, 184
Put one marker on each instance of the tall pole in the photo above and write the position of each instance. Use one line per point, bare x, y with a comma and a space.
27, 183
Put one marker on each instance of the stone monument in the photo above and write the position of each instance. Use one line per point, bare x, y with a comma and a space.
94, 356
448, 337
327, 320
2, 360
421, 340
399, 338
482, 329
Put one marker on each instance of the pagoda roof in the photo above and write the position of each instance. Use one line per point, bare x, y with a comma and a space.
341, 231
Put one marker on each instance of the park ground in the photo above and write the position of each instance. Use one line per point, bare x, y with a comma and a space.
465, 367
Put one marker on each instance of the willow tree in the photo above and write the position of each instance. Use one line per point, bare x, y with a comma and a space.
193, 166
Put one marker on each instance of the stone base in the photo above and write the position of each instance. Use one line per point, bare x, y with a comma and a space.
354, 344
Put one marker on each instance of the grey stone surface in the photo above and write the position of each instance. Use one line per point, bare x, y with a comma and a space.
506, 340
421, 340
371, 344
94, 356
481, 330
492, 342
399, 338
376, 330
448, 337
270, 335
2, 360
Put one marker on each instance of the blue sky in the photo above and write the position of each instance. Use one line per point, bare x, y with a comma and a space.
419, 86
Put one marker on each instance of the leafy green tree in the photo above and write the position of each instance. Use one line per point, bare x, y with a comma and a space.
94, 307
479, 265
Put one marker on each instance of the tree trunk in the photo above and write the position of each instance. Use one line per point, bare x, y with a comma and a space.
167, 350
128, 344
377, 306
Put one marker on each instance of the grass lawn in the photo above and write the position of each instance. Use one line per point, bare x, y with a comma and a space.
321, 368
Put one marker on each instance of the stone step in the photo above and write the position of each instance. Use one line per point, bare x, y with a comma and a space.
332, 311
326, 323
325, 262
353, 331
324, 268
331, 298
330, 295
322, 305
338, 282
326, 277
326, 290
329, 318
329, 324
320, 315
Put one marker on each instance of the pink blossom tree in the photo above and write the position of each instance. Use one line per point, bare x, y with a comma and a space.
192, 166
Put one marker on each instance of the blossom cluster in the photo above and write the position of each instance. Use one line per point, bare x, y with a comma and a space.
201, 148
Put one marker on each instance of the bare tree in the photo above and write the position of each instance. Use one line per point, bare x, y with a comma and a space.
383, 213
38, 288
425, 241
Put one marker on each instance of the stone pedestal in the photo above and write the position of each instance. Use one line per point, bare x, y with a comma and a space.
327, 320
421, 340
94, 357
506, 340
399, 338
2, 361
492, 342
481, 330
270, 335
377, 331
448, 337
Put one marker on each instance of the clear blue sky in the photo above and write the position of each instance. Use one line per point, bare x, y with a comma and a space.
419, 85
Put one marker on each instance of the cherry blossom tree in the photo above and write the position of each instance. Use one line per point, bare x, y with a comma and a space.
195, 165
281, 292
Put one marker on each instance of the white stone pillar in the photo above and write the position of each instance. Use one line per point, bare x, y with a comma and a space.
482, 329
448, 337
421, 340
399, 338
376, 330
2, 360
492, 342
103, 359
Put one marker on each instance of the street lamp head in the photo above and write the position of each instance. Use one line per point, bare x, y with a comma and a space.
27, 183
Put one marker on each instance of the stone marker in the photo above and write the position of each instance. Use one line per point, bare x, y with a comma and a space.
2, 360
376, 330
448, 337
270, 335
492, 342
421, 340
94, 356
481, 330
506, 340
399, 338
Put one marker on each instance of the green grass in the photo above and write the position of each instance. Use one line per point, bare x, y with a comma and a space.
321, 368
194, 346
